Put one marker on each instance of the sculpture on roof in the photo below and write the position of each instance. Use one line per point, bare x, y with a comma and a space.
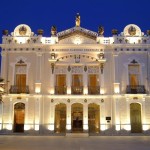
77, 20
100, 30
53, 30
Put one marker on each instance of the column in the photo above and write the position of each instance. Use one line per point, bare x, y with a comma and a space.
102, 117
27, 125
113, 113
85, 82
68, 125
52, 117
116, 75
101, 82
37, 114
4, 66
52, 83
117, 114
1, 114
9, 125
38, 73
69, 80
128, 125
145, 126
85, 117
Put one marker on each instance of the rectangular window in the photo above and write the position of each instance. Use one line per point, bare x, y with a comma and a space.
77, 80
20, 78
61, 80
134, 74
60, 87
93, 80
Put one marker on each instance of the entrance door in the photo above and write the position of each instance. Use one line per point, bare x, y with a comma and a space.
135, 118
60, 118
19, 116
94, 118
77, 117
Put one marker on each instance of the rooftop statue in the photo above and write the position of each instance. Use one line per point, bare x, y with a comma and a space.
77, 20
100, 30
53, 30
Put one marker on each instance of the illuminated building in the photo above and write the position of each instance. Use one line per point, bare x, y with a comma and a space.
76, 80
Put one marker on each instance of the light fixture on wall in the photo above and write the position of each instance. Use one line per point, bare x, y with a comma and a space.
69, 68
101, 55
102, 67
53, 56
52, 67
85, 68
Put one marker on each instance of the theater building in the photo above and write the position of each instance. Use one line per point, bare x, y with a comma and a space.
75, 81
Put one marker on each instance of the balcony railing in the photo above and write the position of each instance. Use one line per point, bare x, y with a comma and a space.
93, 90
138, 89
14, 89
77, 89
60, 90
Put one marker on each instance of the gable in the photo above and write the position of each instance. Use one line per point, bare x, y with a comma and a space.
77, 39
77, 35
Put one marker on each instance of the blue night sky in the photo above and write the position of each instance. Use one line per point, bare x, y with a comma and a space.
45, 13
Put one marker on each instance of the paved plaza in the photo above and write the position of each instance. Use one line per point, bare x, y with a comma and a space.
70, 143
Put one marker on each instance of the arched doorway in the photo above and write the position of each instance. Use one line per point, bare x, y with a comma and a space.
60, 118
94, 118
135, 118
77, 117
19, 116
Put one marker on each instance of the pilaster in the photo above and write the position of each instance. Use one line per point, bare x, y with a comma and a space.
68, 123
85, 82
85, 117
69, 80
52, 117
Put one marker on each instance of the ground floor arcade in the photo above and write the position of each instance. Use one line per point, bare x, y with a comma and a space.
49, 114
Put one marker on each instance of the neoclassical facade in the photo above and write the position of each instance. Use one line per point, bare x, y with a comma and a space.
75, 81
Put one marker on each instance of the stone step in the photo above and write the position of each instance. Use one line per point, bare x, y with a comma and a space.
78, 135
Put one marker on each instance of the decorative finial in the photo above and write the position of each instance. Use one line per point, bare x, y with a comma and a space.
114, 32
53, 30
5, 32
100, 30
148, 32
78, 20
40, 31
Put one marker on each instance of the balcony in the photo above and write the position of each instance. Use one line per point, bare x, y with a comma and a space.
14, 89
60, 90
138, 89
93, 90
77, 90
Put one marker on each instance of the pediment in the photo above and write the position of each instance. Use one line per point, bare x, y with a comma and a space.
77, 35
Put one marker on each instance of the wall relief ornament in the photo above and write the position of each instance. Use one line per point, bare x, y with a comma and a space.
22, 30
60, 70
132, 31
93, 69
77, 69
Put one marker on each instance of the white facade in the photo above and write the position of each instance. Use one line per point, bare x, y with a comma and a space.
111, 72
